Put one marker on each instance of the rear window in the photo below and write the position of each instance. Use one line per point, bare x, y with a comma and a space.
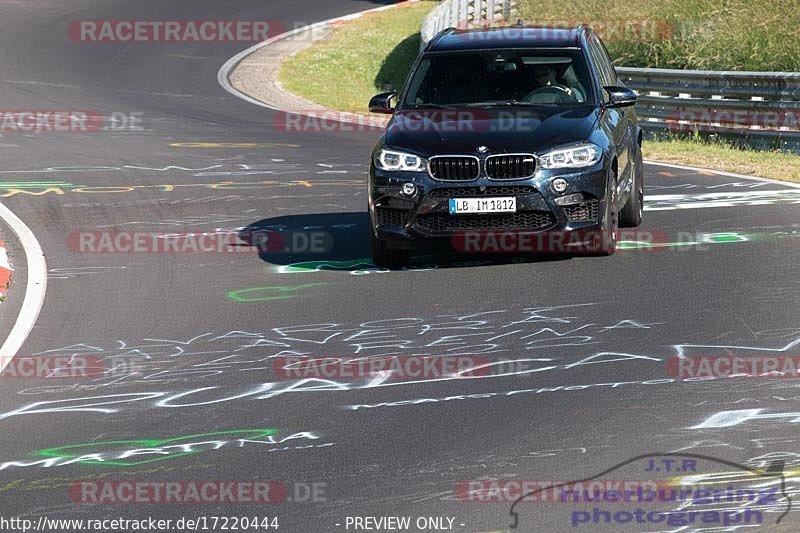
527, 76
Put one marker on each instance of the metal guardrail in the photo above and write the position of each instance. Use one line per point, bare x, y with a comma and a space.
464, 14
757, 109
760, 109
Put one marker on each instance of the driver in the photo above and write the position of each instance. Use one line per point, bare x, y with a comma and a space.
546, 75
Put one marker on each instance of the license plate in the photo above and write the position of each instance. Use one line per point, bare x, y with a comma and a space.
503, 204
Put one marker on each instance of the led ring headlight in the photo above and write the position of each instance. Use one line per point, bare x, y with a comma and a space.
577, 156
392, 160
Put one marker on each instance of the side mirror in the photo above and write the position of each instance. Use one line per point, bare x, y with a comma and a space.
620, 97
382, 103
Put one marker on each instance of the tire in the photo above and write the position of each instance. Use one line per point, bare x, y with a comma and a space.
610, 225
631, 214
386, 257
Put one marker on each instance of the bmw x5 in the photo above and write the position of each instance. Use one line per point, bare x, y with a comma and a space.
512, 130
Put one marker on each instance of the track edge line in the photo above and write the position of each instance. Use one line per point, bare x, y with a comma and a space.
35, 287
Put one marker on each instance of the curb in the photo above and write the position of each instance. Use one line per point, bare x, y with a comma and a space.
5, 270
231, 66
35, 285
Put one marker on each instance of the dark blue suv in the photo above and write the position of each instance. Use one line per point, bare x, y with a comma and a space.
509, 131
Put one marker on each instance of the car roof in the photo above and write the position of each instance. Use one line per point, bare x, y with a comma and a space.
507, 37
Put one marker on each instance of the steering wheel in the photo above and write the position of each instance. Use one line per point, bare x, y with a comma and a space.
564, 94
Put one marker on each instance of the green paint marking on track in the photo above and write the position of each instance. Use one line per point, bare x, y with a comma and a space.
260, 294
723, 238
316, 266
64, 452
708, 238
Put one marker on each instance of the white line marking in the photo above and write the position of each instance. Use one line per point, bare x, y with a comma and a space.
790, 194
34, 290
724, 173
668, 202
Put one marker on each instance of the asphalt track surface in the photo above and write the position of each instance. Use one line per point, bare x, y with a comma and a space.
596, 332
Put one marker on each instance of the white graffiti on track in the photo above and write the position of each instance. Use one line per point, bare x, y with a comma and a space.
225, 168
733, 184
199, 397
684, 349
498, 332
107, 203
537, 340
138, 452
668, 202
725, 419
188, 221
74, 272
722, 419
542, 341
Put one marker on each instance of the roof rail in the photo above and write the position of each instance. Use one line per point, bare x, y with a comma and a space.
438, 36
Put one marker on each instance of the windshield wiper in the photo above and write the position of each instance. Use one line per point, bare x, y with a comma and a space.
504, 103
428, 105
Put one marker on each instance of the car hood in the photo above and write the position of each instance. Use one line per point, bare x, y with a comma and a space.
460, 131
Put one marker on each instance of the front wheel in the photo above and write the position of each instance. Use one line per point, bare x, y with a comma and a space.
606, 243
631, 215
385, 256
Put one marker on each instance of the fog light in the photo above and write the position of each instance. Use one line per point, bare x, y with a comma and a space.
570, 199
559, 185
409, 189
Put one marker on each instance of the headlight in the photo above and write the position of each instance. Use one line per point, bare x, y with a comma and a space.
582, 155
391, 160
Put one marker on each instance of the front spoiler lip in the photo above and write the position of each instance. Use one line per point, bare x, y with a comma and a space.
409, 233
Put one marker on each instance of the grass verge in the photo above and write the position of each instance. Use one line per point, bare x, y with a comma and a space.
345, 70
690, 34
359, 59
720, 156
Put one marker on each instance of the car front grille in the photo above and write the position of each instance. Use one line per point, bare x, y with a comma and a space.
471, 192
390, 217
584, 212
454, 168
510, 167
441, 222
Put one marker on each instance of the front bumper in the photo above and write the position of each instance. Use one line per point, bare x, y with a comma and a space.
425, 215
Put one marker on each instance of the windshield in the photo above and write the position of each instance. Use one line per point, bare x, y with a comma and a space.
509, 77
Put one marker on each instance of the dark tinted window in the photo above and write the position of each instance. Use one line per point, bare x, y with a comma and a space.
608, 76
557, 77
